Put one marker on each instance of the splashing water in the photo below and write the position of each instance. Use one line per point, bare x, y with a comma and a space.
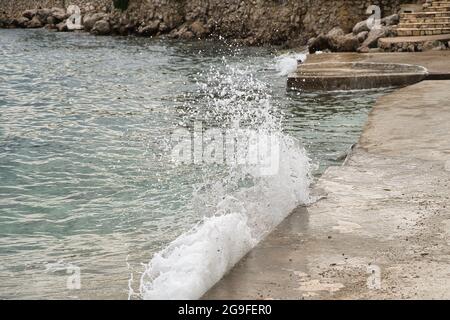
244, 206
287, 63
85, 181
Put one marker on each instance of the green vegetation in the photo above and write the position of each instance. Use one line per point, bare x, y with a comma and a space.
121, 4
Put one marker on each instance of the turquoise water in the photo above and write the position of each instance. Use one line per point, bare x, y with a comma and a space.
84, 128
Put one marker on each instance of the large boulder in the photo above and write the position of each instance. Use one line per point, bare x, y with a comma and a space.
90, 20
43, 14
320, 43
51, 27
361, 27
35, 23
198, 29
362, 36
182, 32
386, 21
62, 26
186, 34
163, 27
22, 22
29, 14
149, 29
390, 20
128, 28
101, 27
340, 42
372, 38
347, 43
51, 20
335, 32
337, 41
59, 14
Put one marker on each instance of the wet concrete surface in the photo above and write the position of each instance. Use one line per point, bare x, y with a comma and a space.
381, 226
436, 62
354, 75
365, 71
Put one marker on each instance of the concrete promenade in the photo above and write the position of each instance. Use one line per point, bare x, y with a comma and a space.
354, 71
381, 228
437, 62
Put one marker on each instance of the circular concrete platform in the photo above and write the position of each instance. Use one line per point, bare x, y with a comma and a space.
354, 76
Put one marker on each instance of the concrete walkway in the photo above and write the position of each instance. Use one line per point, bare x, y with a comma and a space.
437, 62
382, 227
348, 71
443, 37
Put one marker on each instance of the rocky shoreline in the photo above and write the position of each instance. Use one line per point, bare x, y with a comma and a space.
361, 39
110, 21
421, 28
339, 27
287, 23
105, 21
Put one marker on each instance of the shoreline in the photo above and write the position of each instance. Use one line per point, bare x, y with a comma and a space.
287, 23
402, 142
381, 229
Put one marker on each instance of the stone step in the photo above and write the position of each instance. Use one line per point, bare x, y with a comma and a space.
442, 20
425, 15
413, 44
445, 8
440, 3
405, 32
442, 37
424, 25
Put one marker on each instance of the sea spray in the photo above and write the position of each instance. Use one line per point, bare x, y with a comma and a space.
242, 207
288, 62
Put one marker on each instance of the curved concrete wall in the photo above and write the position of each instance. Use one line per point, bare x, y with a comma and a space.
354, 76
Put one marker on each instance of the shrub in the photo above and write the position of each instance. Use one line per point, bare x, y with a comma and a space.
121, 4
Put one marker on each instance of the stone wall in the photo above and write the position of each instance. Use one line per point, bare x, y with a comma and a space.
14, 8
250, 21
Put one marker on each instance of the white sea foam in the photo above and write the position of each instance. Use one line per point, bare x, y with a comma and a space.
235, 218
287, 63
196, 260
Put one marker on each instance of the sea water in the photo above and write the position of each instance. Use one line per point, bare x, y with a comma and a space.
94, 200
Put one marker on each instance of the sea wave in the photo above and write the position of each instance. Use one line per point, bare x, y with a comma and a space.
239, 217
